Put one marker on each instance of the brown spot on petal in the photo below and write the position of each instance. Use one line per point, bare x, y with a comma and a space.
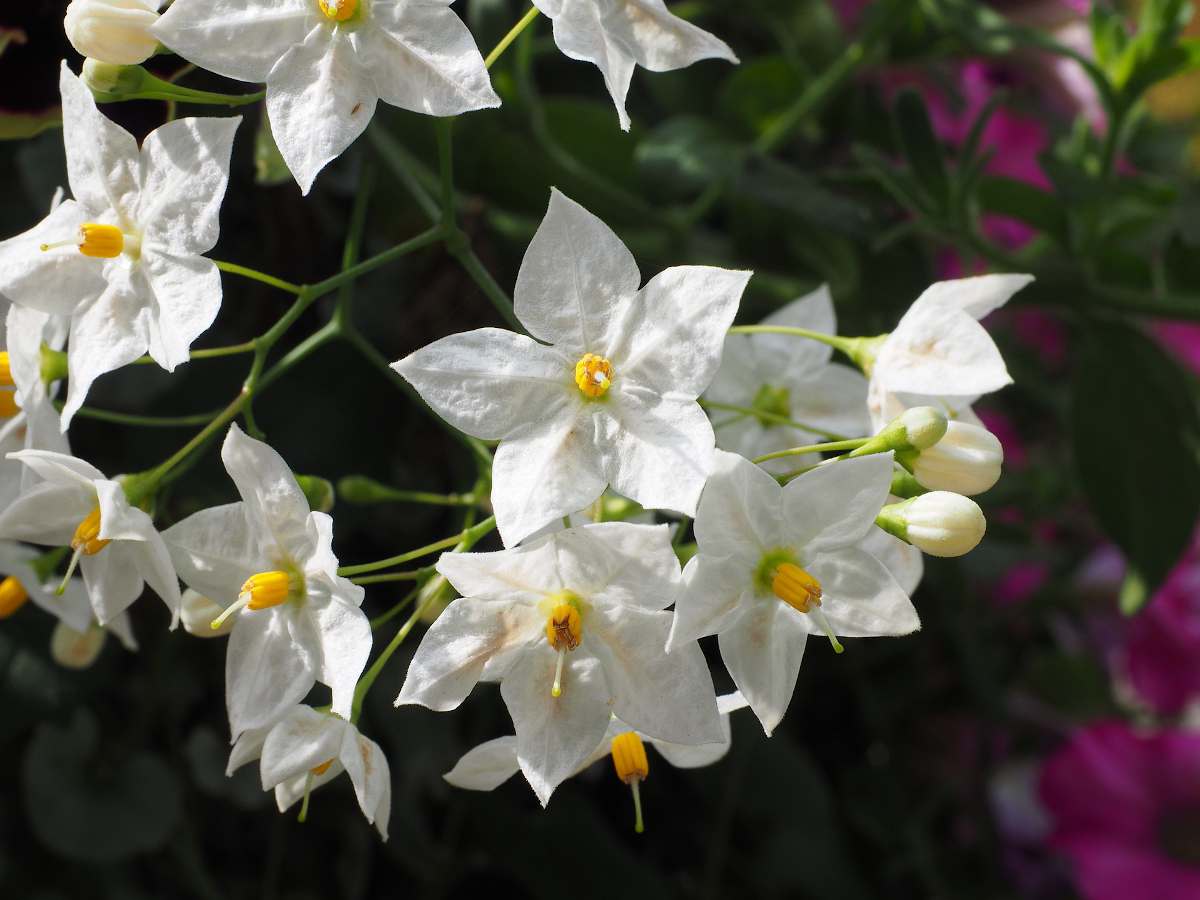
357, 109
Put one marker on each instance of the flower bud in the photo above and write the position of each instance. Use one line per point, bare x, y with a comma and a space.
914, 429
940, 523
74, 649
197, 613
112, 80
967, 461
318, 491
112, 31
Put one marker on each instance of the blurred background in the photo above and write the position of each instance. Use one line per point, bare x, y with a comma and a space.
1037, 737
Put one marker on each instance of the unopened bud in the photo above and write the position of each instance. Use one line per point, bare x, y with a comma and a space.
967, 461
197, 614
74, 649
940, 523
112, 31
318, 491
914, 429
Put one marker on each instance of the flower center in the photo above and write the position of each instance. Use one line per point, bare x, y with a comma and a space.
629, 759
593, 375
564, 631
263, 591
338, 10
8, 397
87, 538
774, 402
796, 587
12, 596
100, 242
1179, 835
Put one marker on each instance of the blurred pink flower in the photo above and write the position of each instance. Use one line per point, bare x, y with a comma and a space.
1183, 339
999, 424
1020, 582
1126, 812
1161, 655
1043, 332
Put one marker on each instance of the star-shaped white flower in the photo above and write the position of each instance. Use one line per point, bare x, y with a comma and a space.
306, 749
611, 400
123, 258
939, 355
572, 626
618, 35
326, 63
269, 559
486, 767
789, 377
115, 544
776, 564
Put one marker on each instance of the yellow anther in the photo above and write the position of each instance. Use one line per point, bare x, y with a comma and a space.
629, 757
8, 404
5, 370
12, 596
322, 768
564, 627
338, 10
796, 587
593, 375
87, 538
266, 589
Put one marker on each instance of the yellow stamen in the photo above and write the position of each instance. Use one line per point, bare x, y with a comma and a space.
629, 759
8, 404
322, 768
338, 10
5, 370
261, 591
12, 596
796, 587
564, 630
87, 538
593, 375
95, 240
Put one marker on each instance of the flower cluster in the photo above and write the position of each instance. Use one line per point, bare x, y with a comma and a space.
591, 630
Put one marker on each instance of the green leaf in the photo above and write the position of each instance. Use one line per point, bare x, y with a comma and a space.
1136, 435
1024, 202
685, 155
921, 148
15, 126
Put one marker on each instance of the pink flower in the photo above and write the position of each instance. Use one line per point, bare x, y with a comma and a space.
1183, 339
1020, 582
1162, 645
1126, 812
999, 424
1043, 332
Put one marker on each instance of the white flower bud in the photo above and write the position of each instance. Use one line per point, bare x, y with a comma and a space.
76, 650
940, 523
197, 614
924, 426
112, 31
967, 461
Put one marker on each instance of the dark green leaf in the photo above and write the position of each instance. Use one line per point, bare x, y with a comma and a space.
921, 148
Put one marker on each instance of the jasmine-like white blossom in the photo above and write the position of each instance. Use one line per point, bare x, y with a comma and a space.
572, 626
326, 64
610, 398
114, 544
306, 749
783, 377
269, 560
776, 564
618, 35
123, 259
939, 355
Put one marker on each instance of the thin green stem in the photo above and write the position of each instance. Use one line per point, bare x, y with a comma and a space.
120, 418
773, 418
422, 240
475, 532
255, 275
445, 144
411, 575
830, 447
384, 494
206, 353
491, 289
396, 609
512, 35
354, 237
835, 341
406, 167
368, 679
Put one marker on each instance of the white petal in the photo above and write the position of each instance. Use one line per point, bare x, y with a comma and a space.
236, 38
423, 58
672, 337
368, 770
47, 514
619, 564
939, 350
669, 696
905, 562
187, 297
61, 468
579, 32
762, 652
523, 574
154, 565
835, 505
657, 451
451, 656
26, 331
344, 632
545, 473
834, 399
715, 589
275, 505
555, 734
491, 383
695, 756
121, 626
319, 101
576, 280
860, 597
292, 791
102, 157
976, 296
53, 281
113, 580
118, 520
215, 552
266, 670
740, 512
660, 41
800, 355
185, 170
246, 748
741, 373
486, 767
298, 743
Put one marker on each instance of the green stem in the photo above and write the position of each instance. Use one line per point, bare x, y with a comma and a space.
411, 575
255, 275
773, 418
407, 169
445, 144
482, 277
120, 418
395, 610
835, 341
206, 353
422, 240
512, 35
473, 533
831, 447
372, 673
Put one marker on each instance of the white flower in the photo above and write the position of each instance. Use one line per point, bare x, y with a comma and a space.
776, 564
618, 35
939, 355
903, 560
270, 560
73, 649
113, 31
305, 749
572, 626
967, 460
612, 400
326, 63
123, 258
789, 377
115, 544
486, 767
941, 523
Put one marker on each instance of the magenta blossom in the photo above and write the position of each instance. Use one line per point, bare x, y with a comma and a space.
1182, 339
1162, 646
1126, 812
